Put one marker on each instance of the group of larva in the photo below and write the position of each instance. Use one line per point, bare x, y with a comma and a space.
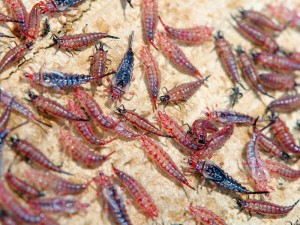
207, 134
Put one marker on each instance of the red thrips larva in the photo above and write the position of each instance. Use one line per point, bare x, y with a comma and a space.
138, 192
34, 20
80, 152
173, 129
14, 55
281, 169
150, 19
140, 122
276, 81
5, 19
201, 127
85, 127
62, 204
19, 13
176, 55
193, 35
182, 92
249, 71
163, 160
98, 63
47, 181
79, 41
284, 137
263, 207
261, 20
205, 216
15, 209
93, 108
275, 62
52, 107
257, 36
34, 155
287, 103
227, 58
151, 68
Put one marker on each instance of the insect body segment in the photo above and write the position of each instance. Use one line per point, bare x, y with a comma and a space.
5, 19
205, 216
53, 6
286, 103
281, 169
275, 81
19, 13
201, 127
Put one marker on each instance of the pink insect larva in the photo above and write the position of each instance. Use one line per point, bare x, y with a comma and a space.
34, 20
47, 181
19, 13
227, 58
153, 74
150, 19
263, 207
275, 81
79, 41
193, 35
269, 145
284, 137
52, 107
98, 63
176, 55
35, 155
286, 103
93, 108
163, 160
173, 129
5, 19
205, 216
62, 204
139, 193
295, 56
257, 36
14, 208
80, 152
14, 55
182, 92
85, 128
140, 122
275, 62
122, 129
216, 141
281, 169
261, 20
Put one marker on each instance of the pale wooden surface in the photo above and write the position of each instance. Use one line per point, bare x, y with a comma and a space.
107, 16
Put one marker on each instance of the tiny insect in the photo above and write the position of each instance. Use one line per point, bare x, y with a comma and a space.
140, 122
193, 35
249, 71
281, 169
261, 20
79, 41
63, 204
34, 19
80, 152
123, 77
287, 103
14, 208
284, 137
46, 28
52, 107
215, 174
173, 129
276, 81
216, 141
47, 181
93, 108
5, 19
22, 187
275, 62
122, 129
114, 199
152, 72
163, 160
205, 216
263, 207
19, 13
177, 56
53, 6
182, 92
34, 155
5, 35
201, 127
59, 80
138, 192
257, 36
85, 127
150, 19
14, 55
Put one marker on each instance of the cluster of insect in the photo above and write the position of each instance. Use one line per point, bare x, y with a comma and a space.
206, 136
